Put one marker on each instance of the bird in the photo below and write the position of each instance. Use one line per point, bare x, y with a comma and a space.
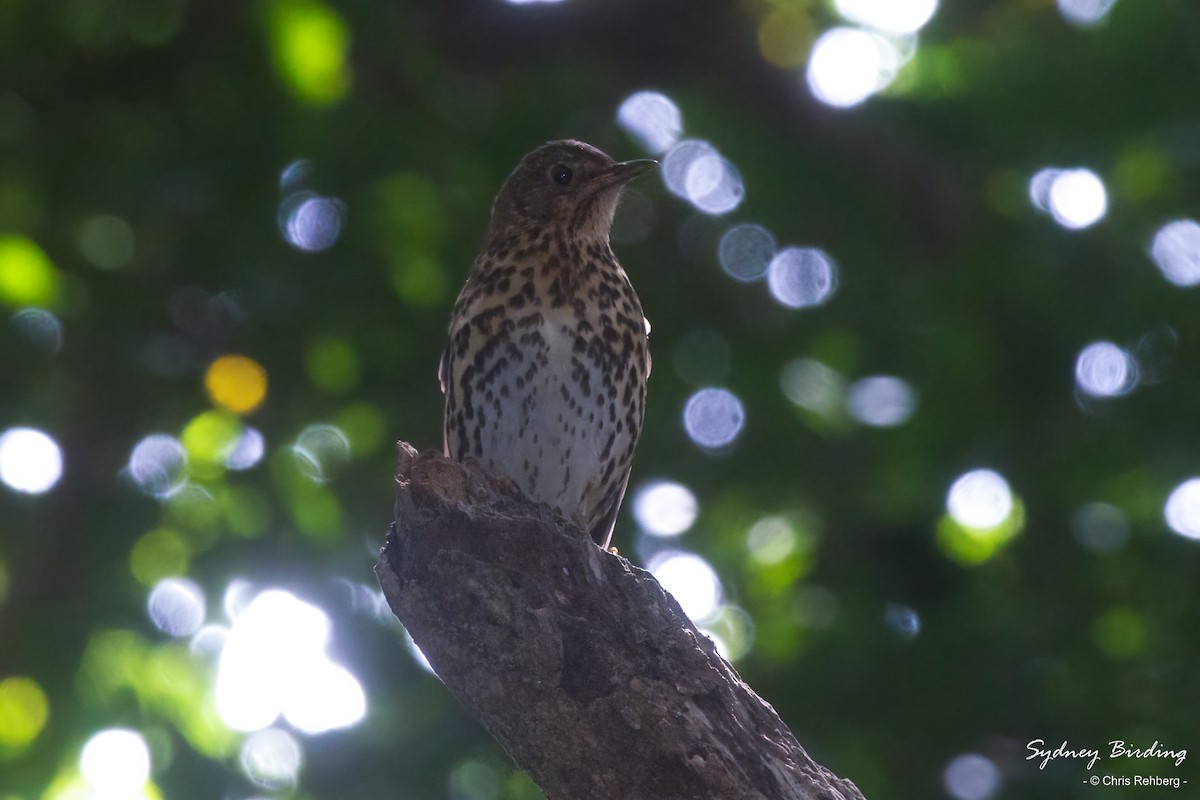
547, 355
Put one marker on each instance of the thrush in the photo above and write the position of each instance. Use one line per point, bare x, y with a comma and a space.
547, 356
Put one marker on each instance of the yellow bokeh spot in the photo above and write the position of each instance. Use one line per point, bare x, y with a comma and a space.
310, 41
160, 553
23, 711
237, 383
27, 276
208, 439
785, 36
333, 365
970, 547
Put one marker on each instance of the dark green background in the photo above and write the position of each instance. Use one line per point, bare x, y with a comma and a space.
179, 118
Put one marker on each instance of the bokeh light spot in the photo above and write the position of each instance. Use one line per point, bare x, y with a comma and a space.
1182, 509
652, 119
1078, 198
771, 540
1100, 527
813, 386
746, 251
106, 241
157, 554
24, 710
701, 356
1039, 187
27, 276
1103, 369
474, 780
713, 417
208, 438
904, 621
365, 426
665, 508
732, 631
116, 763
1085, 13
333, 365
1075, 198
30, 460
310, 42
691, 581
209, 641
177, 606
982, 517
1120, 633
848, 65
696, 172
319, 450
800, 277
678, 161
39, 327
713, 184
785, 35
310, 222
882, 401
247, 450
158, 465
274, 662
889, 16
295, 175
980, 499
272, 759
971, 777
1176, 252
238, 383
339, 701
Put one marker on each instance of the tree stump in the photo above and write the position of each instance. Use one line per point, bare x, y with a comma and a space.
584, 669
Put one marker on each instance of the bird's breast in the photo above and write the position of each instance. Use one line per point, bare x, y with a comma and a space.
549, 393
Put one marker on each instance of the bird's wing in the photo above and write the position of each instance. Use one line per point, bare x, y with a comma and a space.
444, 380
602, 531
648, 365
444, 366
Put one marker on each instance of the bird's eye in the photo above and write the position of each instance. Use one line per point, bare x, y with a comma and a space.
561, 174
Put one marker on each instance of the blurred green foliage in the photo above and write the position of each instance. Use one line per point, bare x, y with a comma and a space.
153, 154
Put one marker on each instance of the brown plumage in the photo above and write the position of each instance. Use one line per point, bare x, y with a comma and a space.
547, 356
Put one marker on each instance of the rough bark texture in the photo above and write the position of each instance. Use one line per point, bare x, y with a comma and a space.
581, 666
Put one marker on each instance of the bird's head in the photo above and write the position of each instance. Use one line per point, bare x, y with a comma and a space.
567, 184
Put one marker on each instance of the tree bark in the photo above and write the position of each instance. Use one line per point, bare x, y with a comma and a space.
576, 661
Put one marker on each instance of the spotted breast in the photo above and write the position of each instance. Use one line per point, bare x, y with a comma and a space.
547, 356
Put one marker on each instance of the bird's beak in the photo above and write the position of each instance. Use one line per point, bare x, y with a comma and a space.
625, 171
